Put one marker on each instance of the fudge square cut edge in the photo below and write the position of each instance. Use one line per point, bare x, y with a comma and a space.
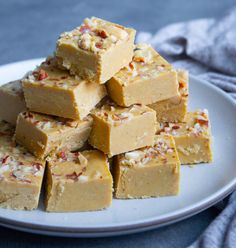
175, 108
43, 134
193, 138
97, 49
116, 130
11, 101
51, 90
21, 174
147, 79
148, 172
78, 182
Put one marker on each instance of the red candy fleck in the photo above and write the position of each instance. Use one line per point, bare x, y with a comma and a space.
102, 34
37, 166
40, 75
64, 77
36, 123
28, 115
202, 122
85, 29
98, 45
131, 66
74, 176
139, 59
175, 127
181, 84
62, 155
4, 160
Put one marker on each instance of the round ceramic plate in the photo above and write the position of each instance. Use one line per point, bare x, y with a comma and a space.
200, 186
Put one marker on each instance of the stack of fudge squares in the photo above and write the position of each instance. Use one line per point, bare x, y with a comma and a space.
102, 116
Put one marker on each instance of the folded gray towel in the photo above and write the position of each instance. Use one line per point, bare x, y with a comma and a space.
222, 231
207, 48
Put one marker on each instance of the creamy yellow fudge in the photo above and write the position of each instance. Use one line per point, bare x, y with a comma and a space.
175, 108
11, 101
148, 172
147, 79
117, 130
192, 138
43, 134
78, 182
97, 49
51, 90
21, 174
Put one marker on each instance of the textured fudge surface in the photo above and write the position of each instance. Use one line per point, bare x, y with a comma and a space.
90, 49
11, 101
78, 182
148, 78
50, 89
175, 108
95, 35
197, 123
149, 171
115, 115
146, 64
13, 88
193, 138
43, 134
117, 130
21, 174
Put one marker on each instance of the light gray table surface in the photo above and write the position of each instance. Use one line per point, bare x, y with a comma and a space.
29, 29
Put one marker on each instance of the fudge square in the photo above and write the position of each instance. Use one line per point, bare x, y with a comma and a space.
97, 49
147, 79
78, 182
21, 174
43, 134
116, 130
148, 172
51, 90
11, 101
192, 138
175, 108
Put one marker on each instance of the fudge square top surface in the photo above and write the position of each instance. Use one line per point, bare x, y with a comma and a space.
96, 35
115, 115
146, 64
147, 79
16, 164
90, 47
49, 89
197, 123
52, 124
79, 166
12, 101
162, 152
13, 88
51, 74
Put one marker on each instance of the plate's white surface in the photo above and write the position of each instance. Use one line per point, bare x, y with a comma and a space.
201, 186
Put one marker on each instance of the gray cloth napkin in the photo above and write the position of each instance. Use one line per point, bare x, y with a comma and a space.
207, 48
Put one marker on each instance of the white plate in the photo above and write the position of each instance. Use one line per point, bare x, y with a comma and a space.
201, 186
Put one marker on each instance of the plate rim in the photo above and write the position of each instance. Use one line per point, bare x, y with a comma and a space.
115, 230
146, 224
